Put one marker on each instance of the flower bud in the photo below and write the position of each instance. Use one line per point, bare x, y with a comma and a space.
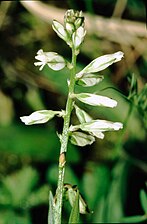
78, 37
61, 31
74, 17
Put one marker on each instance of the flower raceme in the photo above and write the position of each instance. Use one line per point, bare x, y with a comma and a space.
87, 129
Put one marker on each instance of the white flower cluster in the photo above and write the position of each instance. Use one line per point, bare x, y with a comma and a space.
73, 33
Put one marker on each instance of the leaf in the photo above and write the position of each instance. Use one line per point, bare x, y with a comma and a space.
51, 209
134, 86
134, 219
20, 184
74, 215
143, 198
38, 196
81, 139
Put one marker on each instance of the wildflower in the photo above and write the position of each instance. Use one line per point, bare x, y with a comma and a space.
52, 59
101, 63
39, 117
95, 100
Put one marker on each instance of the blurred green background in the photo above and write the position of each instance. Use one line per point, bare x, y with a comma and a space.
112, 173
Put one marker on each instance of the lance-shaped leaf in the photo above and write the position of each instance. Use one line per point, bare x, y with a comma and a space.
95, 100
71, 192
51, 215
81, 139
39, 117
74, 215
101, 63
82, 115
89, 80
52, 59
61, 31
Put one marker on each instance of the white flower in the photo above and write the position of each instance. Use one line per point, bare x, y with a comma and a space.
101, 63
52, 59
95, 100
100, 126
39, 117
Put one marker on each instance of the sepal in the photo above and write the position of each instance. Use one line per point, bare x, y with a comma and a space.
81, 139
83, 117
88, 79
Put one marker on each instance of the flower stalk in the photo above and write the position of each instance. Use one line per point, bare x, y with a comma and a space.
64, 142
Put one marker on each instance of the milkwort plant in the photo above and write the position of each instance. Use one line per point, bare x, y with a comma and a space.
73, 33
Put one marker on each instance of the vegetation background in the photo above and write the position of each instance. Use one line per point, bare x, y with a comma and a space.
112, 173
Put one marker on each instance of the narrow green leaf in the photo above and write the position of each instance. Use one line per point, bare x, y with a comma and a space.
134, 219
74, 215
143, 198
51, 209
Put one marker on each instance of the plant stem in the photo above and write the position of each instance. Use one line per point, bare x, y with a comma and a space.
64, 143
120, 139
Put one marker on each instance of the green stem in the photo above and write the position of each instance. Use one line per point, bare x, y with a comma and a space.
120, 139
64, 143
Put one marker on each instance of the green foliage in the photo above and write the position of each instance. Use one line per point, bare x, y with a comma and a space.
17, 194
74, 216
51, 209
